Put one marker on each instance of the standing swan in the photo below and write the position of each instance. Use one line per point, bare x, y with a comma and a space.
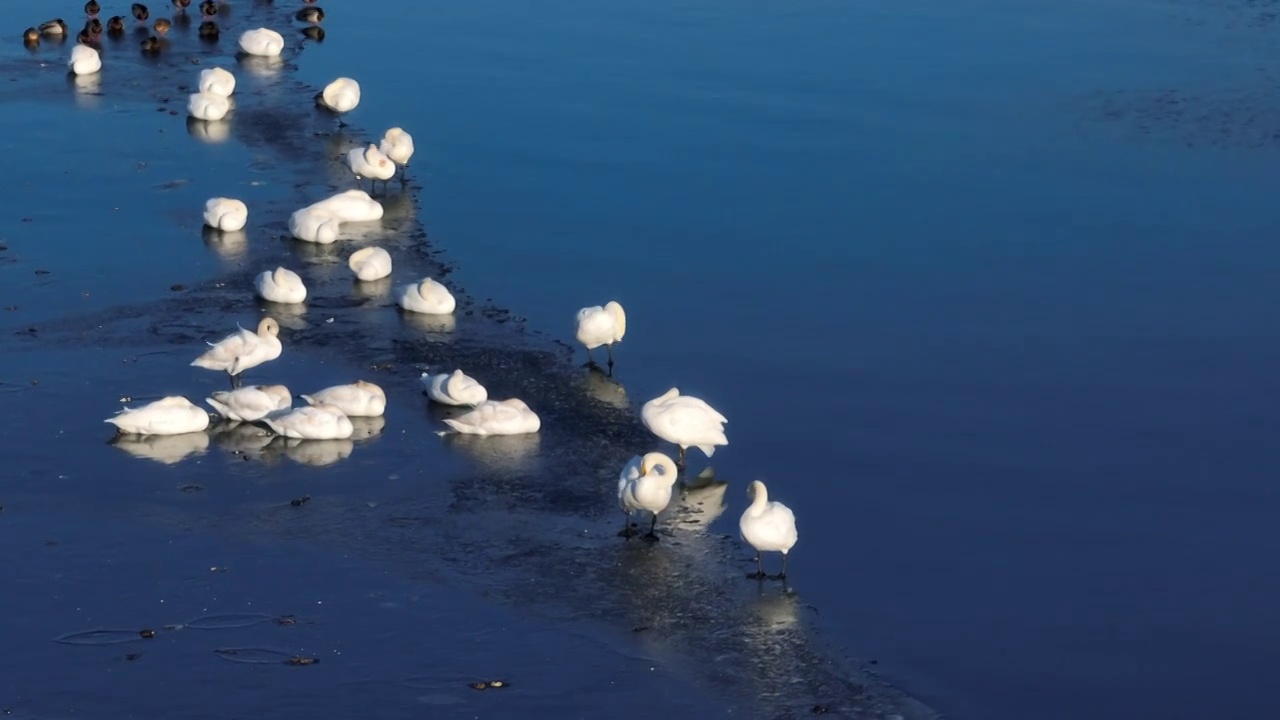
281, 285
173, 415
601, 326
262, 41
340, 96
369, 162
427, 296
767, 527
359, 399
686, 421
242, 350
645, 484
398, 145
369, 264
217, 81
456, 388
84, 60
227, 214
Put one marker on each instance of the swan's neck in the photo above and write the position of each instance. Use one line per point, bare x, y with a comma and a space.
761, 501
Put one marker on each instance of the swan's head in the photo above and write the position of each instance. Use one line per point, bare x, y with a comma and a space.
92, 8
140, 11
757, 490
660, 463
31, 36
208, 8
208, 30
162, 26
268, 326
115, 25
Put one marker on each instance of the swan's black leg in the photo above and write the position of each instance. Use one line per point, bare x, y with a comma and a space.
627, 531
759, 573
652, 536
609, 347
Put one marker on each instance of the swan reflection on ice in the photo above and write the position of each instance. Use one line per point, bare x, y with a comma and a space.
245, 439
88, 90
211, 132
428, 323
227, 245
166, 449
503, 454
367, 428
702, 500
261, 65
315, 453
606, 389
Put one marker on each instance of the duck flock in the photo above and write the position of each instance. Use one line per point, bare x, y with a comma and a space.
645, 483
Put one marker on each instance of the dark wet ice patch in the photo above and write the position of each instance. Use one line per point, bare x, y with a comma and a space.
1240, 119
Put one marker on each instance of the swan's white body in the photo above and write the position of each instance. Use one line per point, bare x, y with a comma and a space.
226, 214
312, 422
768, 526
341, 95
427, 296
686, 421
497, 417
249, 404
645, 483
369, 264
262, 41
359, 399
369, 162
455, 388
243, 349
397, 145
217, 81
207, 106
84, 60
314, 226
321, 222
281, 285
173, 415
601, 325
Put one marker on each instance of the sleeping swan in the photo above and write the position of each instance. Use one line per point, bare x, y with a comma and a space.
456, 388
312, 422
216, 81
497, 417
226, 214
359, 399
249, 404
369, 264
427, 296
281, 285
207, 106
84, 60
262, 41
173, 415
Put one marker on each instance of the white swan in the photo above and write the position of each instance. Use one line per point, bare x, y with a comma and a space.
227, 214
84, 60
359, 399
340, 96
349, 206
601, 326
767, 527
369, 162
262, 41
314, 226
427, 296
645, 483
497, 417
456, 388
217, 81
243, 350
281, 285
369, 264
249, 404
207, 106
312, 422
686, 421
173, 415
397, 145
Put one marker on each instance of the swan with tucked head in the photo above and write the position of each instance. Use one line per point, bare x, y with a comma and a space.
227, 214
350, 206
250, 404
339, 97
310, 225
263, 42
312, 422
207, 106
358, 399
455, 388
217, 81
646, 483
497, 417
243, 350
281, 285
369, 162
173, 415
84, 60
768, 527
601, 326
427, 296
369, 264
398, 146
686, 421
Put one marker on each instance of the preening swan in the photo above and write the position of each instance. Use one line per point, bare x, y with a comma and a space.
340, 96
217, 81
455, 388
427, 296
249, 404
227, 214
312, 422
281, 285
369, 264
84, 60
767, 527
497, 417
397, 145
262, 41
359, 399
173, 415
207, 106
369, 162
601, 326
686, 421
243, 350
645, 484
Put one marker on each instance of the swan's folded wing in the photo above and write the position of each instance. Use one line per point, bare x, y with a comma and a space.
702, 405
